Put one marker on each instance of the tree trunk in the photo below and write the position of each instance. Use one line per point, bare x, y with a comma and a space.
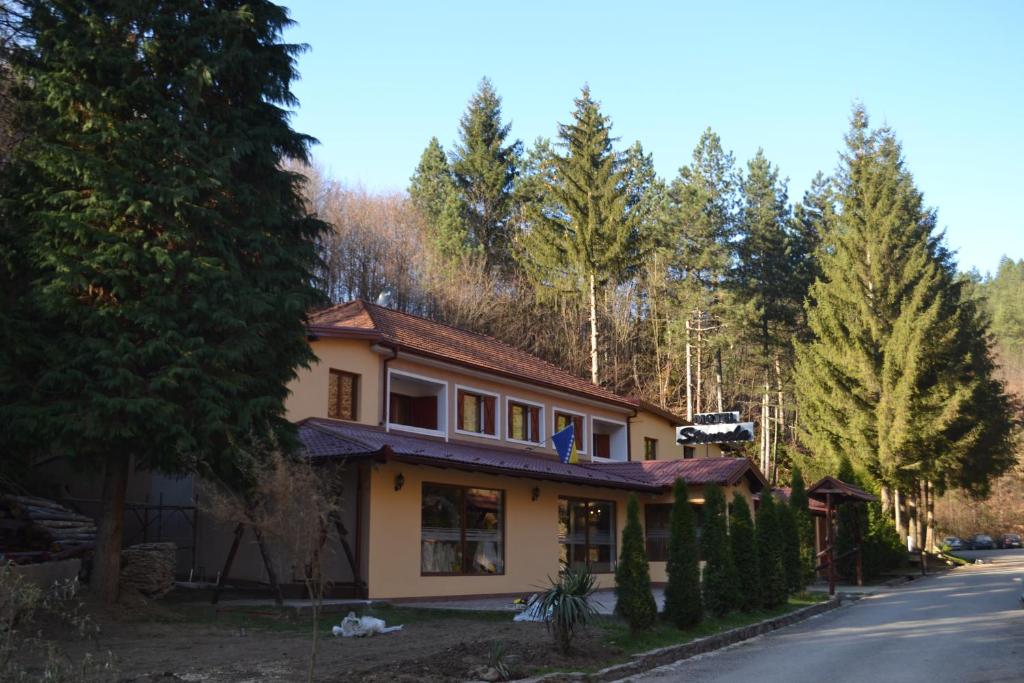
106, 572
765, 428
718, 378
780, 418
886, 497
689, 376
700, 344
593, 330
933, 545
901, 527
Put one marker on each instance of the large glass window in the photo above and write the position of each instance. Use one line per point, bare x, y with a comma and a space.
586, 533
476, 412
658, 526
341, 395
462, 530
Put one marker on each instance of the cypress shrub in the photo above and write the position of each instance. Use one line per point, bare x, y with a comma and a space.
847, 517
721, 593
800, 505
769, 546
790, 548
682, 593
635, 602
743, 543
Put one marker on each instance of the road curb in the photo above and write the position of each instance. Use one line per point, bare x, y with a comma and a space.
645, 661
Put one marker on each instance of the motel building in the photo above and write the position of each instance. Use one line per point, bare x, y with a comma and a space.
451, 484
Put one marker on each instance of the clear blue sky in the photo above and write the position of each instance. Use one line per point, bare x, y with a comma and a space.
381, 78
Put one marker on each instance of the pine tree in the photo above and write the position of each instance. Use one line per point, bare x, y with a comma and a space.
721, 584
682, 592
800, 505
582, 234
485, 169
885, 380
769, 548
634, 600
168, 254
743, 543
435, 195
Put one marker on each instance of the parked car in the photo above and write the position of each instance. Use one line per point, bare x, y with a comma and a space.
982, 542
1010, 541
953, 543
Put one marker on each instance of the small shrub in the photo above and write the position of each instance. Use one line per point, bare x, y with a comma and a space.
496, 660
744, 553
634, 600
682, 593
566, 605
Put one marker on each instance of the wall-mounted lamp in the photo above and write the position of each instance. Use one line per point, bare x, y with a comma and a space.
399, 481
535, 493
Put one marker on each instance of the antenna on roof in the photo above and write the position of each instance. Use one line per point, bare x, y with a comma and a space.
385, 297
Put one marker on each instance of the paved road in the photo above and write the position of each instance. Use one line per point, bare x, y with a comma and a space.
964, 626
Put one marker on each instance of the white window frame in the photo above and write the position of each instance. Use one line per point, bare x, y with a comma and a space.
541, 420
586, 421
497, 412
625, 438
442, 402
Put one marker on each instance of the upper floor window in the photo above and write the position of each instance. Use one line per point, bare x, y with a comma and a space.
342, 395
524, 422
416, 402
609, 439
563, 419
476, 412
650, 448
689, 452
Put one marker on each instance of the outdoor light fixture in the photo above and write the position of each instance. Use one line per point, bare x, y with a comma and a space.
399, 481
535, 493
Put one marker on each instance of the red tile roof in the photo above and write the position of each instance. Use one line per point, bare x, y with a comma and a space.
844, 492
324, 438
450, 344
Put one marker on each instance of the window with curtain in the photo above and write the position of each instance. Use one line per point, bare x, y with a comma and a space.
342, 394
562, 420
650, 448
586, 534
476, 412
462, 530
658, 527
524, 422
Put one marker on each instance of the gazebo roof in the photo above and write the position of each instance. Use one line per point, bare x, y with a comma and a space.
840, 490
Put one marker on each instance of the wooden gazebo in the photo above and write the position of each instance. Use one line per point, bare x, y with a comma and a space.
832, 493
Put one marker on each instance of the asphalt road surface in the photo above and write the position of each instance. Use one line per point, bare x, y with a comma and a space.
965, 626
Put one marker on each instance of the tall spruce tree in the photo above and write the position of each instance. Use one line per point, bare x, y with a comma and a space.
583, 234
721, 584
743, 543
167, 255
886, 379
435, 195
800, 505
769, 553
634, 601
485, 169
682, 592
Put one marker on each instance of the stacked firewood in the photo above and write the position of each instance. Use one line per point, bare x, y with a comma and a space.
149, 568
42, 529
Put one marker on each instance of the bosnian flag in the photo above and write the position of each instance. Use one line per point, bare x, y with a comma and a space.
565, 445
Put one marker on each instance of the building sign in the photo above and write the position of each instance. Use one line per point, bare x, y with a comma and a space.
715, 428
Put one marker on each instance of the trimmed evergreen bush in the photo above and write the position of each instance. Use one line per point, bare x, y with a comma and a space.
682, 593
721, 592
769, 546
743, 544
790, 548
847, 517
635, 602
800, 505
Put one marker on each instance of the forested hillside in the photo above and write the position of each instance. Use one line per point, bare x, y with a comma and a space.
698, 292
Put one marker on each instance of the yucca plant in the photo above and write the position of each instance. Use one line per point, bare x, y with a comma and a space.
566, 604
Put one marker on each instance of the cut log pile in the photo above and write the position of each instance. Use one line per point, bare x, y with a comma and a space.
38, 529
149, 568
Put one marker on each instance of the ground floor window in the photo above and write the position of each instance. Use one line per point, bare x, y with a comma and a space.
658, 526
462, 530
586, 533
